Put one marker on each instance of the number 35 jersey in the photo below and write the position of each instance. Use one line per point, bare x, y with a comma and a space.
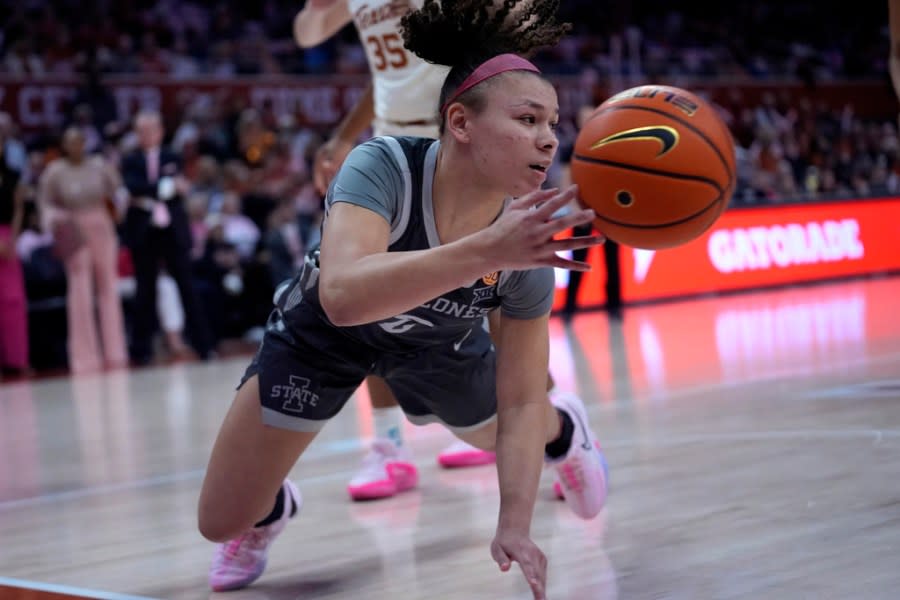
406, 88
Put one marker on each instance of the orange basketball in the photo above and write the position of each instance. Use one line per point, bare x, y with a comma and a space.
656, 164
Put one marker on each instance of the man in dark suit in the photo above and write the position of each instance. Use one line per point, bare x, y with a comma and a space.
156, 230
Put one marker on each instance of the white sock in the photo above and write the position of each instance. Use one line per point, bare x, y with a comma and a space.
388, 423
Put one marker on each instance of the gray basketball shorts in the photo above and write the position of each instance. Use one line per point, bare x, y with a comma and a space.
308, 369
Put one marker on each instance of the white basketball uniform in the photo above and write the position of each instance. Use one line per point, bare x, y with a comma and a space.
406, 88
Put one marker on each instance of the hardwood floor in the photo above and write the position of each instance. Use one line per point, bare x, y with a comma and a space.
753, 442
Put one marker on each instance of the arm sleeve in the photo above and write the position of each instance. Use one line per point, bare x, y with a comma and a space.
527, 294
372, 178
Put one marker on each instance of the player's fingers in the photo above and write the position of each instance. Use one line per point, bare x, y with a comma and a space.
320, 171
319, 180
574, 219
535, 198
546, 210
322, 155
575, 243
330, 171
535, 570
317, 183
325, 171
500, 557
564, 263
537, 589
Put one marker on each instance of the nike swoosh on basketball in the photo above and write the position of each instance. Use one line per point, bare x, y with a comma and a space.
667, 136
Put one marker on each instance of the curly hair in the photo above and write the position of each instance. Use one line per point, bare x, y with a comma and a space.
462, 34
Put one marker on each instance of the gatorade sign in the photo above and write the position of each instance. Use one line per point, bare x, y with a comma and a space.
760, 247
771, 246
782, 246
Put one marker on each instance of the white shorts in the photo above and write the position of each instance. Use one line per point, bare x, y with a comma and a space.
383, 127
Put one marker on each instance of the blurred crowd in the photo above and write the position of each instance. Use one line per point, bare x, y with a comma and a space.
241, 209
804, 152
212, 208
799, 39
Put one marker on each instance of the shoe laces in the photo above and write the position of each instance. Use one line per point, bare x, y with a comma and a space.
573, 476
375, 459
374, 464
383, 452
252, 540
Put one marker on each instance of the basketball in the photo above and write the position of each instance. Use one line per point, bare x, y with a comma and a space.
656, 164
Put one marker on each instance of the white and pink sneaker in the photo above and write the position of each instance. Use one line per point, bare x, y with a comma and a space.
387, 470
461, 454
557, 486
582, 472
240, 562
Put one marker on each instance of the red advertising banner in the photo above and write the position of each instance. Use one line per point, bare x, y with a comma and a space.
753, 248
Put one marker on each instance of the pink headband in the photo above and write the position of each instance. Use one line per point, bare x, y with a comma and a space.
490, 68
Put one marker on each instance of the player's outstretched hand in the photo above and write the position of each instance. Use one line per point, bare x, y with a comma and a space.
509, 546
523, 236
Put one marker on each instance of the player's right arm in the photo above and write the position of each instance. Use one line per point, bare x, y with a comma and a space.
360, 281
319, 20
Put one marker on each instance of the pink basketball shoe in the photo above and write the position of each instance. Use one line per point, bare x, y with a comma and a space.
240, 562
582, 472
461, 454
387, 470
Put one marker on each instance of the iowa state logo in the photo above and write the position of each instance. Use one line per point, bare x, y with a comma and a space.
491, 278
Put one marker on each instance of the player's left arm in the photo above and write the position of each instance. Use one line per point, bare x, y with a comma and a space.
522, 359
494, 323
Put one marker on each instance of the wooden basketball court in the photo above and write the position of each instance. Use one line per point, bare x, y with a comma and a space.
753, 443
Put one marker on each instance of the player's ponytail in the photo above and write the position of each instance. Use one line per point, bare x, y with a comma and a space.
468, 35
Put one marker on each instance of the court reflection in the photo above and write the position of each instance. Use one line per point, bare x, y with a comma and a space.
730, 339
20, 444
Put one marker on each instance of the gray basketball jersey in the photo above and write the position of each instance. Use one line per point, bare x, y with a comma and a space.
393, 177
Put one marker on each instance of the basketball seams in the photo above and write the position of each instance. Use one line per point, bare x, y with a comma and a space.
649, 171
698, 178
662, 225
675, 118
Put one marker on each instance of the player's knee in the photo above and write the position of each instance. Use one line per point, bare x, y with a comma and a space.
216, 526
209, 528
